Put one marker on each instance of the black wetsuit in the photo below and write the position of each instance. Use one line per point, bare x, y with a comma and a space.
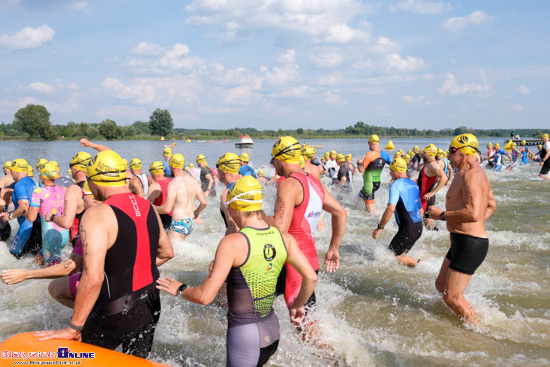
128, 306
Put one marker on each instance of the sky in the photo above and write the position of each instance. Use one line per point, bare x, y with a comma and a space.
273, 64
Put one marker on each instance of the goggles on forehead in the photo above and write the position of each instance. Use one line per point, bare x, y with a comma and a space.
453, 150
105, 173
288, 149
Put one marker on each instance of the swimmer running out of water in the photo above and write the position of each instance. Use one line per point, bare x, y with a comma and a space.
250, 260
470, 202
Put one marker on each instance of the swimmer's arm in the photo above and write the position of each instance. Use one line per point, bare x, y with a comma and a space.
342, 181
210, 182
21, 210
491, 205
170, 199
154, 192
32, 214
386, 216
165, 250
442, 179
297, 259
68, 267
202, 202
287, 195
72, 195
86, 143
231, 225
136, 187
339, 216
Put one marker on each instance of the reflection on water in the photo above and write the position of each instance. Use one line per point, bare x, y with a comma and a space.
373, 311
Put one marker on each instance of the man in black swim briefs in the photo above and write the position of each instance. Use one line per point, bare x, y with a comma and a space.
470, 202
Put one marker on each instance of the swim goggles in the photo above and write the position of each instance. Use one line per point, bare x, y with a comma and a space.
235, 198
290, 148
453, 150
107, 173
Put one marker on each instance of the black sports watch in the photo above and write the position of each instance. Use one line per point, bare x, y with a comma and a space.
379, 226
180, 289
443, 216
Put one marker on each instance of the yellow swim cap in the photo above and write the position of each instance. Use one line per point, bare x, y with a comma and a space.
398, 165
229, 163
416, 148
200, 158
7, 165
56, 165
467, 143
191, 165
514, 145
167, 152
400, 151
287, 149
80, 161
308, 152
349, 156
156, 168
244, 157
49, 170
374, 139
544, 136
40, 162
523, 142
430, 150
107, 169
87, 190
30, 172
245, 195
135, 163
302, 162
177, 161
340, 158
260, 173
540, 146
332, 153
489, 145
407, 158
19, 165
440, 152
497, 145
125, 161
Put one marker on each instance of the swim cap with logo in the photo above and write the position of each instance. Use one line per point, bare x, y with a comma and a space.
545, 136
497, 145
200, 158
135, 163
340, 158
229, 163
467, 143
374, 139
332, 153
40, 162
19, 165
244, 157
308, 152
407, 157
523, 142
415, 148
430, 150
177, 161
287, 149
80, 161
440, 152
260, 173
49, 170
398, 165
246, 195
107, 169
349, 156
167, 152
302, 162
156, 168
7, 165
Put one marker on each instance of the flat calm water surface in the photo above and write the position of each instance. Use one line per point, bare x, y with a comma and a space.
372, 311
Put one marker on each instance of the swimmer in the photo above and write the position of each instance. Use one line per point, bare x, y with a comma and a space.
167, 154
261, 178
228, 166
441, 158
497, 157
245, 169
49, 199
470, 202
140, 182
430, 180
241, 260
180, 200
515, 155
308, 153
525, 153
371, 167
158, 191
545, 157
206, 177
489, 157
344, 177
404, 203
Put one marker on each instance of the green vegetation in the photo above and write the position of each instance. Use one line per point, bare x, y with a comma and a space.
33, 123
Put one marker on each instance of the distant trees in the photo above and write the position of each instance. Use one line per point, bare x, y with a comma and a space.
109, 129
161, 123
35, 121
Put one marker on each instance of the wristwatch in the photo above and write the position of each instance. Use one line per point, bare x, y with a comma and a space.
443, 215
180, 289
379, 226
52, 217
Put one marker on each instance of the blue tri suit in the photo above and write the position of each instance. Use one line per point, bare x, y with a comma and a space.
246, 170
405, 195
22, 191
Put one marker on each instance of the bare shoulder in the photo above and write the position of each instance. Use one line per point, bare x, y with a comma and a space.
98, 213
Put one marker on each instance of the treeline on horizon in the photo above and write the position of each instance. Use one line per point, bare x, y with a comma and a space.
33, 123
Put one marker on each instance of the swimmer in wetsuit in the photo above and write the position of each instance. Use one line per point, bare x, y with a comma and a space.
404, 202
123, 244
158, 191
545, 157
245, 169
431, 179
140, 182
228, 166
251, 261
470, 202
371, 167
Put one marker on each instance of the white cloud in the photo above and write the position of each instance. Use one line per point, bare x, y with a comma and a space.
421, 7
294, 92
395, 63
334, 99
457, 24
28, 37
335, 79
411, 99
42, 88
156, 59
81, 6
327, 58
524, 90
147, 49
384, 45
452, 87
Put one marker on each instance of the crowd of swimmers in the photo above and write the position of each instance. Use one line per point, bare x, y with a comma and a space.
122, 224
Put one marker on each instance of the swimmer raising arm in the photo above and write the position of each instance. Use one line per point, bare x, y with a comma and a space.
14, 276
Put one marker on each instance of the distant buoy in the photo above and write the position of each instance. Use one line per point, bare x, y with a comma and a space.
162, 138
389, 146
508, 145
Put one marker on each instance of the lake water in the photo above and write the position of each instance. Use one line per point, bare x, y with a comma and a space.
372, 311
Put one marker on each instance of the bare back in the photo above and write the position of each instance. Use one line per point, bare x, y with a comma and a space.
185, 188
470, 194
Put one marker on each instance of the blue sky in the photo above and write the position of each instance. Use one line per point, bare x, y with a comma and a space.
274, 64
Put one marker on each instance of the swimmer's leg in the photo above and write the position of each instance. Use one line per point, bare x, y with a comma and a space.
454, 298
60, 290
407, 260
441, 281
175, 236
